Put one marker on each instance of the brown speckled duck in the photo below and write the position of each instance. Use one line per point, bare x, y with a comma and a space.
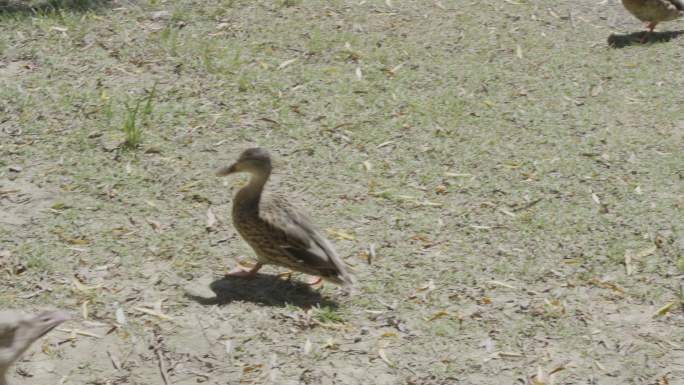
655, 11
279, 232
19, 331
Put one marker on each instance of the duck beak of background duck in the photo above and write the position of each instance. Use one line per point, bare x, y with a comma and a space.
227, 170
49, 320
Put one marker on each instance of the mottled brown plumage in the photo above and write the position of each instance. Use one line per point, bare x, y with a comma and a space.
18, 331
655, 11
279, 232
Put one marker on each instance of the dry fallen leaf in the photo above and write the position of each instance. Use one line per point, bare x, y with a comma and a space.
645, 252
75, 332
663, 310
367, 165
438, 315
120, 316
340, 235
211, 219
539, 378
307, 347
156, 226
160, 15
503, 284
330, 343
429, 286
559, 368
427, 203
189, 186
286, 63
83, 288
365, 255
252, 368
77, 241
158, 306
383, 356
628, 262
607, 285
425, 290
457, 175
84, 309
596, 90
510, 214
153, 313
631, 256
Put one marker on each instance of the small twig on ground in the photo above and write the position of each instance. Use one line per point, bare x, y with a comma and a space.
162, 366
529, 205
157, 346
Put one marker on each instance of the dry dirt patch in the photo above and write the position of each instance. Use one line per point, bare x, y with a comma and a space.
21, 202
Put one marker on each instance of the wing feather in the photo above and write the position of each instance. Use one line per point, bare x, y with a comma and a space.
302, 241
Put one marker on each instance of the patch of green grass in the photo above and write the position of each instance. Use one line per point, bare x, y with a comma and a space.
38, 262
169, 39
327, 314
680, 264
136, 118
131, 128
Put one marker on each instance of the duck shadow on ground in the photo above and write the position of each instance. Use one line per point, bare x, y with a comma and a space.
263, 289
634, 38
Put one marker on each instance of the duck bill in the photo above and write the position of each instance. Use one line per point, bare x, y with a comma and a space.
224, 171
49, 321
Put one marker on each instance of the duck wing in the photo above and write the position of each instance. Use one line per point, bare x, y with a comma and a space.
307, 249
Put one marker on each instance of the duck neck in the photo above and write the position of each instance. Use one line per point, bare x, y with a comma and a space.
250, 195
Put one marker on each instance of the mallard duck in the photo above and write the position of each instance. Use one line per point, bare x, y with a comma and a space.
655, 11
280, 233
19, 331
